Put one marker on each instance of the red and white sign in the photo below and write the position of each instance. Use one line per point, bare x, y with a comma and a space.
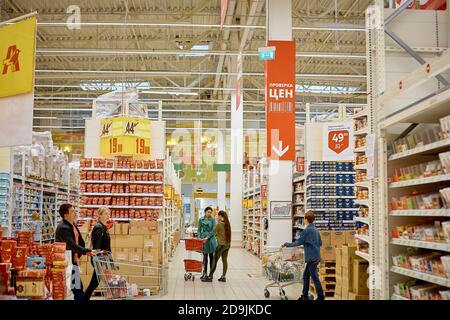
338, 141
280, 101
300, 164
223, 11
425, 4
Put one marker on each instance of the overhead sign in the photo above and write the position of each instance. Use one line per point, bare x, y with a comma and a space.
17, 52
338, 141
126, 136
280, 101
266, 53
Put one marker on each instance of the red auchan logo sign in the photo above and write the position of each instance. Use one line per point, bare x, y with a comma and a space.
11, 62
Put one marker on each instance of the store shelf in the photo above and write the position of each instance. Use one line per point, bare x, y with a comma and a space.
362, 202
421, 213
298, 179
121, 207
299, 191
330, 185
362, 238
332, 209
363, 255
122, 169
422, 276
361, 131
434, 147
299, 215
298, 204
360, 150
361, 219
330, 172
361, 166
122, 194
363, 113
422, 244
121, 182
398, 297
115, 219
364, 184
330, 197
415, 182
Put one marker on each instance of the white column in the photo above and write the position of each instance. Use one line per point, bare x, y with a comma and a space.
279, 26
221, 152
237, 151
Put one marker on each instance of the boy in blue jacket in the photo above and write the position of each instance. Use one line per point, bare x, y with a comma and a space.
310, 239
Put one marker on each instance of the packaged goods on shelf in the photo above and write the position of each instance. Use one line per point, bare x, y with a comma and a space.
438, 232
362, 194
360, 159
360, 124
363, 212
360, 142
446, 196
360, 176
417, 201
299, 186
423, 170
420, 261
421, 137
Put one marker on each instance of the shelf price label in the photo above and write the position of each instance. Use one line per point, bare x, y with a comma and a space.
126, 136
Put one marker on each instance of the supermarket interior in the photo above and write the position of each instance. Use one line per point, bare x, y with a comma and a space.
224, 150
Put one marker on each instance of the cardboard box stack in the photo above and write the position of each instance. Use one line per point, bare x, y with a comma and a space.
351, 274
137, 251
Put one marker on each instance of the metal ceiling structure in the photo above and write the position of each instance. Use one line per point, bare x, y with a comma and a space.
178, 45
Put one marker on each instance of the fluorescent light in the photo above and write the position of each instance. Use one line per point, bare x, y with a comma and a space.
177, 93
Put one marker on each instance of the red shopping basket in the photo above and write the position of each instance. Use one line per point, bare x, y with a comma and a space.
193, 244
193, 265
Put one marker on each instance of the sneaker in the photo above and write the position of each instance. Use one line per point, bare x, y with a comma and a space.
222, 279
207, 279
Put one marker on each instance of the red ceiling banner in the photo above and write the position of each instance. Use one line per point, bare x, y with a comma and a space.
223, 11
280, 101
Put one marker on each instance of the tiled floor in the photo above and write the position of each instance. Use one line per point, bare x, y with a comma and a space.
244, 280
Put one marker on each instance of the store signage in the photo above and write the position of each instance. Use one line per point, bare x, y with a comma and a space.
17, 52
280, 209
424, 4
126, 136
223, 11
338, 141
300, 164
266, 53
280, 102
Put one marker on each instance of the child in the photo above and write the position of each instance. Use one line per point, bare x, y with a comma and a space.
310, 239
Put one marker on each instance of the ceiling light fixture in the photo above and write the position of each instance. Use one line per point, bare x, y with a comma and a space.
176, 93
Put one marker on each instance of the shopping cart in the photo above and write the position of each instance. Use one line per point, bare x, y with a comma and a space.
284, 267
190, 265
129, 279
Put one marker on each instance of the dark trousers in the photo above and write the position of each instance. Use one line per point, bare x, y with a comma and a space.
221, 252
205, 261
311, 271
92, 286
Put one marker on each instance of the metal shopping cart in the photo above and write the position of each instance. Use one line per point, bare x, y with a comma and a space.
284, 267
190, 265
129, 279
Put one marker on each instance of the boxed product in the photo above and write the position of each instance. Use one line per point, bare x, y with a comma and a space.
338, 238
152, 241
20, 257
338, 259
355, 296
135, 255
326, 237
121, 254
8, 250
30, 288
327, 253
122, 241
360, 277
143, 227
152, 255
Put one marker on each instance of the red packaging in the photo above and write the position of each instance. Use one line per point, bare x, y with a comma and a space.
160, 163
152, 164
59, 247
151, 176
8, 250
20, 257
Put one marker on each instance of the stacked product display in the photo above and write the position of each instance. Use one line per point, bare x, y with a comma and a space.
39, 180
30, 270
298, 204
255, 208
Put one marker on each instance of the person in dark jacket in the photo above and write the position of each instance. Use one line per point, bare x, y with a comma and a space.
100, 241
310, 239
68, 232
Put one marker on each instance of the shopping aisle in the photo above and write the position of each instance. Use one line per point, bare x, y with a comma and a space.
244, 280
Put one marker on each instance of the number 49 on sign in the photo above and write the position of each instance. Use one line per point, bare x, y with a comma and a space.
338, 141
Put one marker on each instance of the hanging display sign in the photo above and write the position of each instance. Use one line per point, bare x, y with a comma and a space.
280, 101
17, 56
420, 4
338, 142
125, 136
280, 209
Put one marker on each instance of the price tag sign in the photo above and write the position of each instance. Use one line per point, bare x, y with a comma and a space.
125, 136
338, 141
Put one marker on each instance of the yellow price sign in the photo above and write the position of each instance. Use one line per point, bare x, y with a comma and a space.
125, 135
17, 52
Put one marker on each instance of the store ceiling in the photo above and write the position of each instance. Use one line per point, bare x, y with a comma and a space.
137, 42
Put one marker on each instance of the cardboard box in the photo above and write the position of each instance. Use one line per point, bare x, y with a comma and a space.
121, 254
144, 227
152, 255
347, 278
144, 281
113, 241
344, 295
327, 253
338, 238
123, 241
129, 270
338, 290
337, 297
152, 272
350, 237
30, 288
326, 237
135, 255
152, 241
348, 255
360, 276
338, 257
354, 296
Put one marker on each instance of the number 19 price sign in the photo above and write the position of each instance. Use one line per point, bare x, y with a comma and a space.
338, 141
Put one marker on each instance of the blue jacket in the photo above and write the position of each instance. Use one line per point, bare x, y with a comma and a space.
310, 239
